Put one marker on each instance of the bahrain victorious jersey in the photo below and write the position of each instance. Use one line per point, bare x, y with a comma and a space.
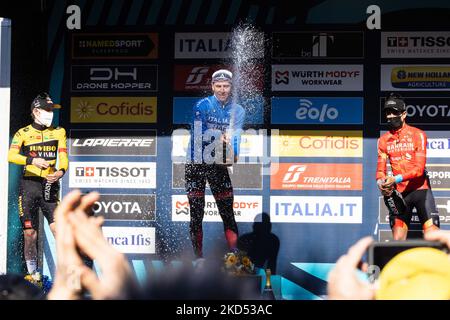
36, 142
406, 150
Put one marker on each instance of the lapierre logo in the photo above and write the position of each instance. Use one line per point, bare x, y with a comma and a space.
316, 209
131, 240
126, 207
317, 45
415, 44
245, 208
420, 110
112, 142
114, 78
112, 175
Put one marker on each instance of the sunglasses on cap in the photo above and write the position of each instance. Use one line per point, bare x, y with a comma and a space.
393, 111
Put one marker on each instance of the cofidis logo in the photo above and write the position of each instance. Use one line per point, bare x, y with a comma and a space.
317, 143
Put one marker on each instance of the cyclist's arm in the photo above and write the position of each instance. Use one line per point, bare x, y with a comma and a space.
382, 160
63, 160
14, 155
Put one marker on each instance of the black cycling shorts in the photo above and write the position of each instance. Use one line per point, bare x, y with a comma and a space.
35, 193
423, 201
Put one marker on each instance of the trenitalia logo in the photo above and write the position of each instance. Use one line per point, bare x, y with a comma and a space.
415, 77
196, 78
246, 208
315, 176
113, 109
442, 204
329, 209
299, 143
131, 240
133, 175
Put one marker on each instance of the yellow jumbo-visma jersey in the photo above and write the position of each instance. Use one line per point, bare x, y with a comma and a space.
48, 144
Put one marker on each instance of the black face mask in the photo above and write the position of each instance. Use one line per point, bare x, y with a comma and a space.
395, 122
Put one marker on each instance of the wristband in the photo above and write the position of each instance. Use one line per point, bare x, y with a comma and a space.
398, 178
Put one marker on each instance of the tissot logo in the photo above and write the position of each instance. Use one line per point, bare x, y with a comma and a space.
310, 45
113, 142
140, 175
126, 207
434, 44
114, 78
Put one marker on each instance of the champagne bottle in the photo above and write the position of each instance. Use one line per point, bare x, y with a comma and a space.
395, 203
267, 293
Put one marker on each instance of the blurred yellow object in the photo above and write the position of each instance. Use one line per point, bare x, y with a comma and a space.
416, 274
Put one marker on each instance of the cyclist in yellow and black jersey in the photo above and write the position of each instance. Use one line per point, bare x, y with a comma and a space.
42, 150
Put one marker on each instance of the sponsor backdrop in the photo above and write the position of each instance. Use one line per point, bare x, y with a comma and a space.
127, 85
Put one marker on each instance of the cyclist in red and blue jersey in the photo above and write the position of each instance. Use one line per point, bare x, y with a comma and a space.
405, 147
214, 145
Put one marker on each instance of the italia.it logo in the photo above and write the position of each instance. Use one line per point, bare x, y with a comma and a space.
293, 173
84, 110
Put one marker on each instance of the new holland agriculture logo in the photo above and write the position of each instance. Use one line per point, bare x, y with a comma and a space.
431, 77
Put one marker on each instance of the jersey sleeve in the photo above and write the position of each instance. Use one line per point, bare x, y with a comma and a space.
63, 160
382, 159
420, 148
14, 155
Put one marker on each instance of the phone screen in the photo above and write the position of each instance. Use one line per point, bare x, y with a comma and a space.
380, 253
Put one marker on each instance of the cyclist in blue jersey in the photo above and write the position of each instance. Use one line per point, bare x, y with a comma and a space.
215, 138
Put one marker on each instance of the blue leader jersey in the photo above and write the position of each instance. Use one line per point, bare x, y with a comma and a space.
210, 114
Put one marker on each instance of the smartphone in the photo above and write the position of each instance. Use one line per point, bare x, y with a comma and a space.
380, 253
